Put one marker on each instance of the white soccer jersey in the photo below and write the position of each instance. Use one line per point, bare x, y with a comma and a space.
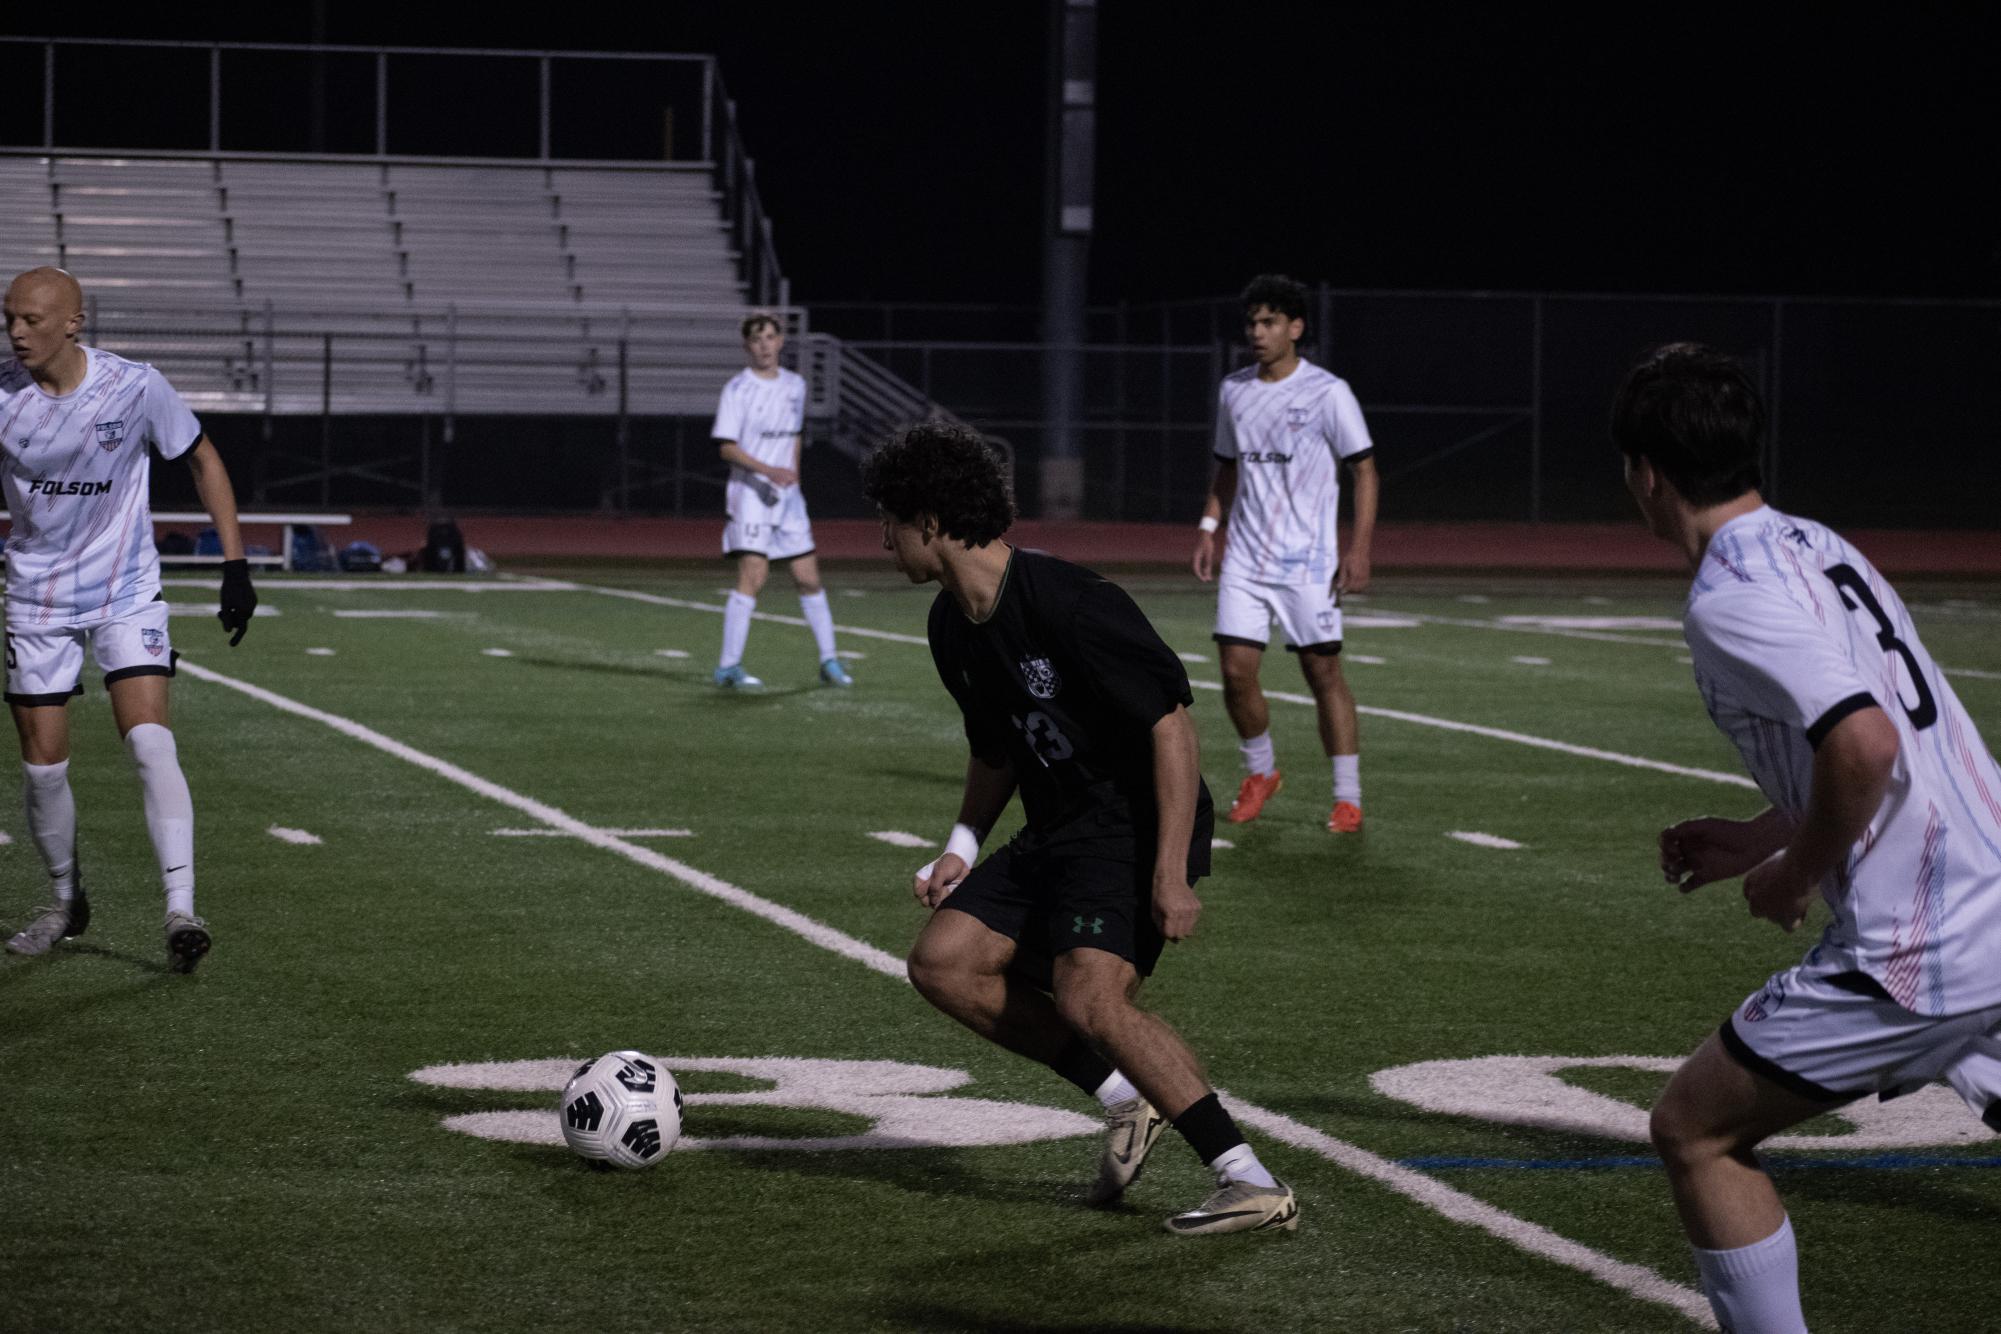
1791, 630
763, 417
1288, 439
76, 479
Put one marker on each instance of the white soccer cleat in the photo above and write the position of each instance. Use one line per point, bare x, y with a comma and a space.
1131, 1127
51, 925
1238, 1206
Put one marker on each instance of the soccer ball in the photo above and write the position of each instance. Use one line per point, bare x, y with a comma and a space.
623, 1109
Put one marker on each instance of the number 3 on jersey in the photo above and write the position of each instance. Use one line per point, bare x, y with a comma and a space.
1854, 590
1045, 738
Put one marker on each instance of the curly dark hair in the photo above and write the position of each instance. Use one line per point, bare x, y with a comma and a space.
756, 320
1693, 413
1284, 295
945, 470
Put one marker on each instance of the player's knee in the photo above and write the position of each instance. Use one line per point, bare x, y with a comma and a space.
1681, 1135
1091, 1011
935, 973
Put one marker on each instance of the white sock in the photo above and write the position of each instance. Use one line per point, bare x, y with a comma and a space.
1115, 1090
821, 617
52, 823
1755, 1289
1259, 757
170, 811
736, 627
1348, 778
1241, 1164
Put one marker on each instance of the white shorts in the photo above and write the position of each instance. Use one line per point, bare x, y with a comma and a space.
1309, 614
776, 529
773, 541
1835, 1035
46, 666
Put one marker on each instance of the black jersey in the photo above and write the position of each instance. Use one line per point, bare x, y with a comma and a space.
1065, 680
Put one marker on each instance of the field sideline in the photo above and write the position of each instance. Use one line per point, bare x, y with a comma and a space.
453, 826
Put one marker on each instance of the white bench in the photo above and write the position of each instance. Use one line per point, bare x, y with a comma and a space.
246, 520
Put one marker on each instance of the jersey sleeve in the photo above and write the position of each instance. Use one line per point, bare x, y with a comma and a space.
1776, 659
171, 426
729, 416
983, 738
798, 404
1136, 677
1341, 422
1226, 427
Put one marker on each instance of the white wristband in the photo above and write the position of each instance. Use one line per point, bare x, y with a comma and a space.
1210, 523
964, 844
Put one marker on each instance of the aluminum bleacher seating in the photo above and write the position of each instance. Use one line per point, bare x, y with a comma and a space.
442, 287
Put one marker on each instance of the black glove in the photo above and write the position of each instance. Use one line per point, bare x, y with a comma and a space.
239, 599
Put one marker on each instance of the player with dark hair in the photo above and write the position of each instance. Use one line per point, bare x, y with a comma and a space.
758, 430
1067, 693
75, 426
1884, 800
1284, 430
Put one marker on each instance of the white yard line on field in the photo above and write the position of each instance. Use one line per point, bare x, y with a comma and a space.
896, 838
818, 932
1634, 1280
1560, 631
615, 833
1519, 738
657, 600
1480, 840
299, 836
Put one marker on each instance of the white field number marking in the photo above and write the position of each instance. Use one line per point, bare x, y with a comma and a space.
1525, 1091
299, 836
1480, 840
896, 1099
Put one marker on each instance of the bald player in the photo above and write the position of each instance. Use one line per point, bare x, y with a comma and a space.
76, 423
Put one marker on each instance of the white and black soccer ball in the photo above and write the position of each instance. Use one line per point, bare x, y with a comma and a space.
624, 1109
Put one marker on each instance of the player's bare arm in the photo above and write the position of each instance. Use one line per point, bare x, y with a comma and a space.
1215, 506
738, 457
1352, 576
1851, 772
238, 600
1709, 848
1176, 779
989, 787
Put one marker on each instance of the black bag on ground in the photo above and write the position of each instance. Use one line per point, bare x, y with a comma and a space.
444, 548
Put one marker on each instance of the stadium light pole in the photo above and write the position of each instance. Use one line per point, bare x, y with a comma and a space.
1069, 150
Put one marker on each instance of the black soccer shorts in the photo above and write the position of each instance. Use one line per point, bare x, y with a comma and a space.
1049, 902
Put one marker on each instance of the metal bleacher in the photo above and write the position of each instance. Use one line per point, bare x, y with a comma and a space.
297, 285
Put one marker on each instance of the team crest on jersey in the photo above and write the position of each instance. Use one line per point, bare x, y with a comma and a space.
111, 434
1040, 678
154, 641
1298, 418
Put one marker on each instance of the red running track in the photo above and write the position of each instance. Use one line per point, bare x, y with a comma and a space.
1514, 547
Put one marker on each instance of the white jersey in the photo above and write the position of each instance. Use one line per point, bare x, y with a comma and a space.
1287, 439
763, 417
77, 478
1792, 630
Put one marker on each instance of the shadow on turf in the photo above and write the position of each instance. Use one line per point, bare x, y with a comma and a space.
944, 1318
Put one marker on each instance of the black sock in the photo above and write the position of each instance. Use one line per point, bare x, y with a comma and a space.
1209, 1129
1082, 1066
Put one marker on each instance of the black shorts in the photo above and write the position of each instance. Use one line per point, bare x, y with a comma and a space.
1049, 901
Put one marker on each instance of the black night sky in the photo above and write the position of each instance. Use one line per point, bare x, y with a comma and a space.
1787, 149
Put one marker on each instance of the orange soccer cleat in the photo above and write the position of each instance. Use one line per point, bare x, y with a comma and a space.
1252, 796
1346, 819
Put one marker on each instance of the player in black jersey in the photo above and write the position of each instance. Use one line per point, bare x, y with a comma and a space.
1070, 696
